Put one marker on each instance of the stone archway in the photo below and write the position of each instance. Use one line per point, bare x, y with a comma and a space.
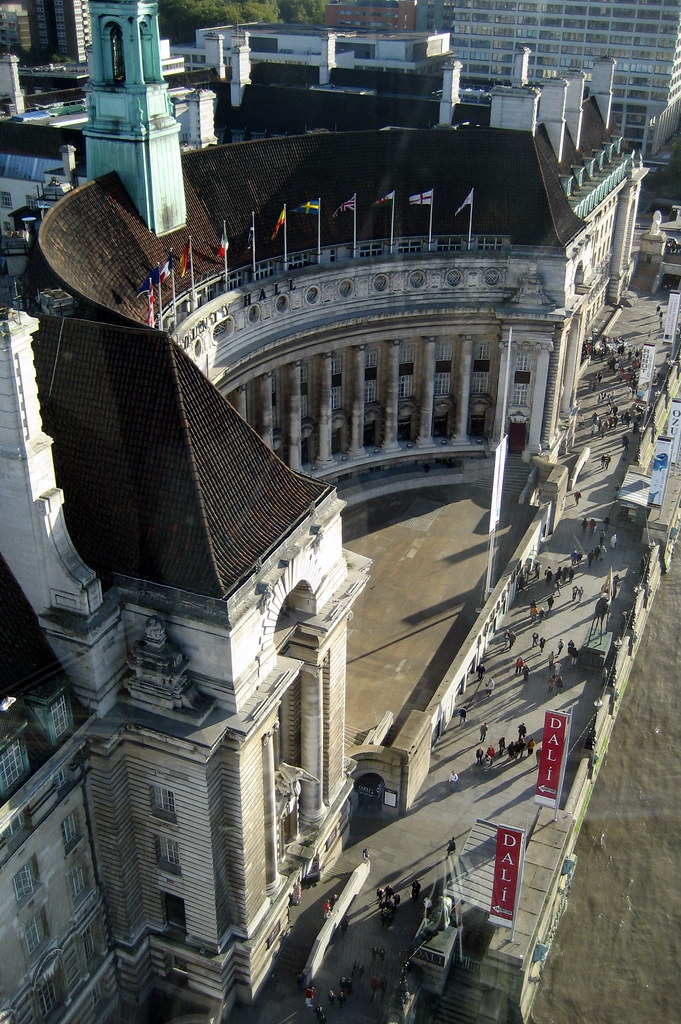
369, 789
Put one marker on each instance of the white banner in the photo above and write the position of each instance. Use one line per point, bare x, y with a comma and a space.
658, 477
672, 316
498, 483
674, 428
646, 371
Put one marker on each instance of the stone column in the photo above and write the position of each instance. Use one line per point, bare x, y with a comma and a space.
265, 388
544, 350
357, 436
391, 391
502, 402
240, 400
426, 394
311, 743
324, 429
572, 341
270, 808
294, 416
464, 391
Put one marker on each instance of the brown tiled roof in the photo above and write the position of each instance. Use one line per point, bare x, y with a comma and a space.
163, 480
97, 244
26, 659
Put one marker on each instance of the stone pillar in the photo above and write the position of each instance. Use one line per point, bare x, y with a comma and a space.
573, 346
426, 393
265, 388
294, 417
544, 350
270, 807
311, 741
324, 429
357, 435
502, 400
391, 390
240, 400
464, 395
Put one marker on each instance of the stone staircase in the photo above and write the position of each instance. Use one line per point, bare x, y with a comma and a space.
516, 474
461, 1000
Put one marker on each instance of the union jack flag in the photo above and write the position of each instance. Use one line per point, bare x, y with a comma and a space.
349, 204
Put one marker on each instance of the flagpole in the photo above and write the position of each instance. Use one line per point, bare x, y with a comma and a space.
191, 271
354, 227
319, 230
470, 221
253, 241
172, 279
285, 240
224, 242
430, 222
392, 222
160, 299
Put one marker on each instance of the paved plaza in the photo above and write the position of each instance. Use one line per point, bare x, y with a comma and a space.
429, 549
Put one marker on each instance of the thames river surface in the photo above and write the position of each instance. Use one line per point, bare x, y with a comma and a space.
616, 955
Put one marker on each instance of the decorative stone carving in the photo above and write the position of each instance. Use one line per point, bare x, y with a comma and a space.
158, 674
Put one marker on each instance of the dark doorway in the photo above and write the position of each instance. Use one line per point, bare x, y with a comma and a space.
516, 437
477, 426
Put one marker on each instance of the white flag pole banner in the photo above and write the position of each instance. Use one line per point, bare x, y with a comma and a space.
672, 316
497, 485
674, 429
658, 477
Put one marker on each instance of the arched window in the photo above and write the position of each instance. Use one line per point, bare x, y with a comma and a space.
117, 58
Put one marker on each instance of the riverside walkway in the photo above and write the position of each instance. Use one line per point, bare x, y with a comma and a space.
415, 846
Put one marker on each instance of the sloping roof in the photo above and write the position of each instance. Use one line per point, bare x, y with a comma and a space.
39, 140
26, 659
98, 246
163, 480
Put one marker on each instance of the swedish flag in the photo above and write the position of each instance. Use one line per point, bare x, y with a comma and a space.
311, 206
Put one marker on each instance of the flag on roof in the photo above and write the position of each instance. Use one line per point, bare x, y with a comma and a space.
422, 198
349, 204
311, 206
150, 307
385, 200
224, 246
280, 222
166, 269
184, 257
468, 201
153, 277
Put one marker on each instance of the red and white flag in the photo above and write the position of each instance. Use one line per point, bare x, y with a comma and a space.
224, 246
553, 756
386, 200
508, 873
150, 306
349, 204
422, 198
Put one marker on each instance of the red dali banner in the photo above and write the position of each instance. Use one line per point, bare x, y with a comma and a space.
508, 873
554, 750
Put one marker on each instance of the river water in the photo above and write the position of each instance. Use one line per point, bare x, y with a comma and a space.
617, 953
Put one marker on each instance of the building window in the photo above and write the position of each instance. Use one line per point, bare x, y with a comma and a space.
335, 398
6, 200
479, 382
60, 714
168, 854
406, 352
303, 373
303, 407
76, 882
336, 365
47, 998
481, 350
519, 396
369, 391
68, 830
59, 779
117, 58
163, 799
88, 943
15, 826
443, 350
23, 883
442, 383
522, 361
34, 933
406, 389
370, 357
12, 765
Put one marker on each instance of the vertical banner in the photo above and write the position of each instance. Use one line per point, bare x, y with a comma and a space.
498, 482
674, 429
660, 473
645, 373
508, 874
554, 752
672, 318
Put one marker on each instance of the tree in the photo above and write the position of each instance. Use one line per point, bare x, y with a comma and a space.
179, 19
305, 12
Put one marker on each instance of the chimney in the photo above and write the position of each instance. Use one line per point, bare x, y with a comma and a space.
601, 86
521, 64
328, 58
215, 53
514, 108
68, 162
552, 113
451, 77
240, 66
573, 105
9, 82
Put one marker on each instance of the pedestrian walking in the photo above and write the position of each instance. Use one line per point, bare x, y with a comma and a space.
341, 999
453, 779
462, 715
522, 731
578, 497
489, 686
552, 658
331, 996
518, 666
365, 853
548, 576
552, 682
531, 744
526, 671
501, 745
483, 731
520, 748
613, 542
479, 754
575, 591
542, 642
373, 985
535, 639
559, 682
585, 523
561, 645
510, 750
550, 602
534, 611
481, 671
309, 995
415, 889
